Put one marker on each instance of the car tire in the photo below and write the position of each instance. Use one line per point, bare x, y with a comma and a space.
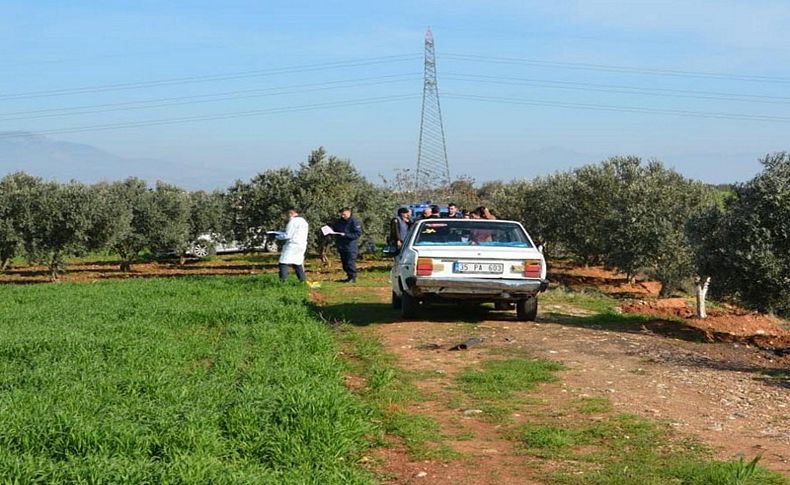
396, 301
203, 249
408, 305
503, 306
527, 309
271, 246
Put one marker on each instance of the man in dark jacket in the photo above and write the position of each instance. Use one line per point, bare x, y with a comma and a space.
453, 212
347, 242
399, 226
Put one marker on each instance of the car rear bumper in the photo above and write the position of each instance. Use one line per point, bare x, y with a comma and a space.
475, 287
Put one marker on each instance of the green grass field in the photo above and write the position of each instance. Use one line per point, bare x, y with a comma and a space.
196, 380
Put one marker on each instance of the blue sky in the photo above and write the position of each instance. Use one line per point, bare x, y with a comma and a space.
47, 46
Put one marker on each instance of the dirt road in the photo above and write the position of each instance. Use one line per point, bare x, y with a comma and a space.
733, 397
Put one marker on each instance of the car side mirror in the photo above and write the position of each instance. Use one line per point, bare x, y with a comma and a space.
540, 248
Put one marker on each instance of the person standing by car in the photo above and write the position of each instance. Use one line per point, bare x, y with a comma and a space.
453, 212
426, 213
295, 238
399, 226
349, 230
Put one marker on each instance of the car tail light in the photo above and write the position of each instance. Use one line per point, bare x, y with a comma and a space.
424, 267
532, 268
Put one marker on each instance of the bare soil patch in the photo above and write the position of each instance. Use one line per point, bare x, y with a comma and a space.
565, 273
727, 323
721, 392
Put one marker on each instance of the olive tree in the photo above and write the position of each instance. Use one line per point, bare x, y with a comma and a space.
318, 188
260, 203
744, 246
324, 184
136, 201
542, 206
112, 219
209, 213
652, 206
9, 237
56, 221
169, 225
18, 192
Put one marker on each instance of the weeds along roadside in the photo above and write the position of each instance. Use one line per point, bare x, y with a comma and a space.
210, 380
584, 441
373, 375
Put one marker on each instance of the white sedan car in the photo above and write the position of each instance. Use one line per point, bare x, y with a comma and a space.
209, 244
468, 260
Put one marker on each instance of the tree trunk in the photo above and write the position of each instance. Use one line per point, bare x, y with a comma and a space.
54, 267
4, 263
665, 291
702, 293
126, 266
323, 250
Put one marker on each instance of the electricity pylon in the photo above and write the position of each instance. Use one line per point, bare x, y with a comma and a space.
433, 169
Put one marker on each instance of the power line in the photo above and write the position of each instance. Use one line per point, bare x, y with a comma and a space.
621, 89
211, 77
624, 109
615, 68
387, 99
205, 98
377, 80
220, 116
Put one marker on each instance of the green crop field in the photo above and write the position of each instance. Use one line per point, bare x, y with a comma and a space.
196, 380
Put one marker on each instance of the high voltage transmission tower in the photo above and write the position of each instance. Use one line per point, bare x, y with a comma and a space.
433, 169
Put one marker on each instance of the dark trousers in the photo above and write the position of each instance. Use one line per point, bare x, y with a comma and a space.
348, 256
298, 269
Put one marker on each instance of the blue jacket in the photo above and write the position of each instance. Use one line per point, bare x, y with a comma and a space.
352, 229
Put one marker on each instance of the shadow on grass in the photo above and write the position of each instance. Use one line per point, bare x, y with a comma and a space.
367, 313
630, 323
726, 359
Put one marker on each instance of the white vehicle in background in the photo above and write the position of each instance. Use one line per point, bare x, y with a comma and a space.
209, 244
468, 260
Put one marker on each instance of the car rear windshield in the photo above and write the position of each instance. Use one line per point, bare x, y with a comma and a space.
470, 233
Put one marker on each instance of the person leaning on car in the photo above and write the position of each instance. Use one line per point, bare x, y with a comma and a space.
399, 227
349, 230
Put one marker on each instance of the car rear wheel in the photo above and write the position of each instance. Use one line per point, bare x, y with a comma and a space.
203, 249
527, 309
408, 305
396, 301
271, 246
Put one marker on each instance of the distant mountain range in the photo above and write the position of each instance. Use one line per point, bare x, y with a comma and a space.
60, 160
52, 159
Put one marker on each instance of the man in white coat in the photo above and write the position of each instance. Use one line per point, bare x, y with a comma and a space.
295, 238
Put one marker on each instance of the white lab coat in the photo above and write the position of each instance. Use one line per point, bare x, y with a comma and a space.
295, 241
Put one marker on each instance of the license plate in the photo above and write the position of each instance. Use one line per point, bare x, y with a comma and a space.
486, 268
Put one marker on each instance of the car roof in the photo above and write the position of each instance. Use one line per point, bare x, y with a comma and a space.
455, 219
